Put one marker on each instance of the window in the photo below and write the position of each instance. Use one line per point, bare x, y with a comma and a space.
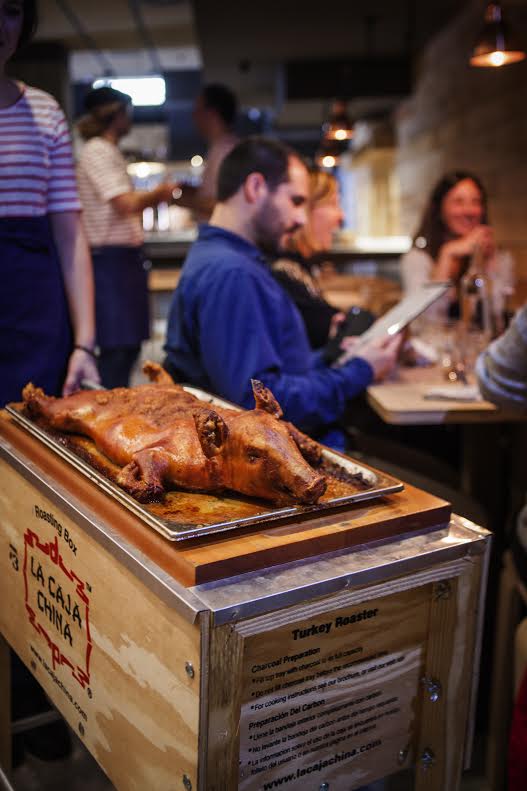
144, 91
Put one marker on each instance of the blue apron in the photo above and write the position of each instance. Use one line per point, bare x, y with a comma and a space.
121, 296
35, 330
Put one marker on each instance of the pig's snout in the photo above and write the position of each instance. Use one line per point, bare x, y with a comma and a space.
303, 485
314, 491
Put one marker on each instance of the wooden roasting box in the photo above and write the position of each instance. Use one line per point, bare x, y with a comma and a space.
321, 654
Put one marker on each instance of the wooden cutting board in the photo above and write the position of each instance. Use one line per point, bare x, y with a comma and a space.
250, 548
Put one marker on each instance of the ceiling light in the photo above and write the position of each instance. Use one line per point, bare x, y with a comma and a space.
328, 154
495, 46
328, 161
338, 126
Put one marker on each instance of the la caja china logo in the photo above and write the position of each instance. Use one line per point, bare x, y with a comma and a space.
57, 605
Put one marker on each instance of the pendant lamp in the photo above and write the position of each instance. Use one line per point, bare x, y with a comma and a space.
338, 126
495, 45
328, 154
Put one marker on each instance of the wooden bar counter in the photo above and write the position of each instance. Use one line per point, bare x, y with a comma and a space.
322, 654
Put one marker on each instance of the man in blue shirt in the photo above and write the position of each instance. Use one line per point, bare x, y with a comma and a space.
230, 320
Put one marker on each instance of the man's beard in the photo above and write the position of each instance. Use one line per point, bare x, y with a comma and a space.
269, 230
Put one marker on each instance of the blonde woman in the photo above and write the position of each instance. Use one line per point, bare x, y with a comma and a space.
297, 270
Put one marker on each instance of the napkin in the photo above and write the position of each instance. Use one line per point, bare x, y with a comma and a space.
454, 392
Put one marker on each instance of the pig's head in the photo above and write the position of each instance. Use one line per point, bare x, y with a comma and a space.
260, 458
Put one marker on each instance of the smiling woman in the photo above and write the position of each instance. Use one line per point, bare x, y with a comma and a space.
453, 228
297, 268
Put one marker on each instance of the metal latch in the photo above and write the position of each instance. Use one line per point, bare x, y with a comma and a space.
433, 688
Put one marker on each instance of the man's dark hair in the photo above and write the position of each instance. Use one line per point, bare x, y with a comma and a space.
221, 99
29, 23
254, 155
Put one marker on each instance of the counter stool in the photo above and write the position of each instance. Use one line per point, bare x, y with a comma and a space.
507, 670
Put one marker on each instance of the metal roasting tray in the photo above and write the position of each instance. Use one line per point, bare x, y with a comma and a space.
379, 486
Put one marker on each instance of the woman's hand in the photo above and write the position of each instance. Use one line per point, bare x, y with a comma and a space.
451, 254
381, 354
81, 366
481, 237
75, 261
336, 321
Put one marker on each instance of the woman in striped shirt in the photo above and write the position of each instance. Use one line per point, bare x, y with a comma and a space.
113, 217
46, 298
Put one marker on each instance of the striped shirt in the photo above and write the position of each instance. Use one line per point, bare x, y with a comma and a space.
102, 176
37, 175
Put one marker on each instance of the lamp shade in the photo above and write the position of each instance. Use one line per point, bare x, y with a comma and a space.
495, 45
338, 126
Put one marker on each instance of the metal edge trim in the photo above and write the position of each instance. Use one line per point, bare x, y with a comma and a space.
350, 596
184, 600
476, 660
203, 728
265, 604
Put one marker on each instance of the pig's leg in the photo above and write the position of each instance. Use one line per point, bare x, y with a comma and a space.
143, 477
73, 413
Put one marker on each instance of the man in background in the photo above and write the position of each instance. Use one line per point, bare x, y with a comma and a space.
214, 116
230, 321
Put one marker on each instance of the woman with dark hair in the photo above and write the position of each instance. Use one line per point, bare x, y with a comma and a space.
453, 228
46, 299
113, 218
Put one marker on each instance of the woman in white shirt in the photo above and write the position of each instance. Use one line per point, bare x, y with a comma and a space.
113, 219
453, 227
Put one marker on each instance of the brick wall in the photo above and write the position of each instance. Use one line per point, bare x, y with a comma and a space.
468, 118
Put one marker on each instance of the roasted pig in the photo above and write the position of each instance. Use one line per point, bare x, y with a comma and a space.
163, 437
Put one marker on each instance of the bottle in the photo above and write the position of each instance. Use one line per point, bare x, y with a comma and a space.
476, 299
503, 291
476, 325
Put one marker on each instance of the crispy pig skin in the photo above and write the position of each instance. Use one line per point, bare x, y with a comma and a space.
163, 437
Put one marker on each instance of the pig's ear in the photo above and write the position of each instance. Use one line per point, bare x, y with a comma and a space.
265, 400
212, 431
156, 373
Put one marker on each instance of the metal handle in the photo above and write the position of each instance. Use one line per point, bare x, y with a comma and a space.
427, 758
